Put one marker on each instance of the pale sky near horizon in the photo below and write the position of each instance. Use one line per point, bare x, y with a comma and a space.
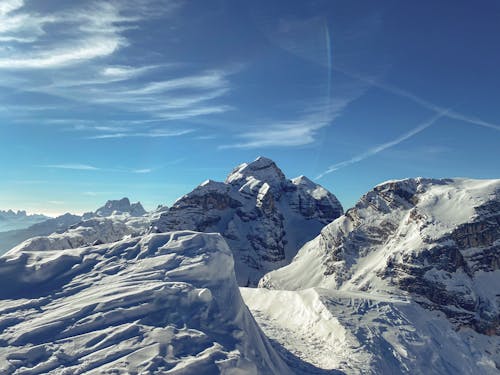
148, 98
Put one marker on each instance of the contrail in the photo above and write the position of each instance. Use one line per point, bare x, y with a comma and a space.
416, 99
375, 150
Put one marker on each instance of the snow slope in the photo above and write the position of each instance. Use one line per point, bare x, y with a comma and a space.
367, 333
158, 304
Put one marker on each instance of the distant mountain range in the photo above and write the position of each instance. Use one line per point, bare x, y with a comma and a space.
405, 282
119, 209
12, 220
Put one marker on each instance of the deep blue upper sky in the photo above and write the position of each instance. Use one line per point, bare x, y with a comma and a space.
147, 99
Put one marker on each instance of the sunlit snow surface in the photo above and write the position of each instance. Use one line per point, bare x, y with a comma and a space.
162, 303
365, 333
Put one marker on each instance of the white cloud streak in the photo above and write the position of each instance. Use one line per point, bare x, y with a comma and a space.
298, 132
76, 167
87, 167
286, 134
88, 49
209, 80
377, 149
440, 112
143, 171
90, 32
104, 75
150, 134
418, 100
78, 48
7, 6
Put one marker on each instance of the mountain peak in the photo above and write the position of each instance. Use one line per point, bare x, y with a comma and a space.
121, 202
303, 180
262, 168
119, 207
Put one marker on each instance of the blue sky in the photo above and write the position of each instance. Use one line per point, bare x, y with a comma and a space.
147, 99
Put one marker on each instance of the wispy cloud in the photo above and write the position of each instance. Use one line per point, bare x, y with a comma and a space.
143, 171
8, 6
103, 75
205, 137
98, 193
417, 99
88, 49
177, 101
291, 133
439, 113
56, 202
377, 149
79, 44
91, 32
28, 182
20, 27
209, 80
151, 134
88, 167
91, 193
304, 130
76, 167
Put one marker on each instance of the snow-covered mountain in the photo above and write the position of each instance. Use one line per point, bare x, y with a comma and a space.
109, 223
157, 304
405, 282
416, 262
13, 220
264, 217
58, 224
117, 207
114, 221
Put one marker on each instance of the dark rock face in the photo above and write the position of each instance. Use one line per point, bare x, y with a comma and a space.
264, 217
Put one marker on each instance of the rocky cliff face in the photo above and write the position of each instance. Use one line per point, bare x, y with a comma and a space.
264, 216
435, 240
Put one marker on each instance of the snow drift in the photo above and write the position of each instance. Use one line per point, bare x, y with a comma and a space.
161, 303
368, 333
